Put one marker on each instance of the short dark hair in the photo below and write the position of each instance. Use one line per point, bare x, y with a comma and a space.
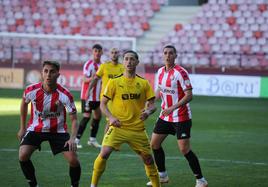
97, 46
133, 52
172, 47
54, 63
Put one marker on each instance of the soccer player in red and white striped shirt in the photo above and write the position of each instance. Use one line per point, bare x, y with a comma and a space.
175, 90
50, 103
91, 102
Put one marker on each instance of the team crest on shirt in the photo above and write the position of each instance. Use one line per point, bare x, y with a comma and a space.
138, 86
172, 77
57, 104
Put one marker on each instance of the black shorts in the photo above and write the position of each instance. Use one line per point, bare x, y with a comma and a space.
182, 129
56, 140
91, 105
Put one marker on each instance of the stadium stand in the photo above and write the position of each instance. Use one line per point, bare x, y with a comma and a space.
224, 33
100, 17
229, 33
74, 17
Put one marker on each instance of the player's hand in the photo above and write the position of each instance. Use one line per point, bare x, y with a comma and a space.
20, 134
114, 122
167, 111
72, 145
144, 115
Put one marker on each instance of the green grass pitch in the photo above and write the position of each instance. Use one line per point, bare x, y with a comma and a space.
229, 135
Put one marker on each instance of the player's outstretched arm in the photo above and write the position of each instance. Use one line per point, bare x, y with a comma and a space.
157, 94
92, 83
23, 116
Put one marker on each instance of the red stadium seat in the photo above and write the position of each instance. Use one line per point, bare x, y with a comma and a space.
19, 22
231, 20
262, 7
178, 27
87, 11
209, 33
60, 10
109, 25
145, 26
258, 34
64, 23
233, 7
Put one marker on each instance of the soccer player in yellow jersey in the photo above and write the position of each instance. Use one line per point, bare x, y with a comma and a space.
106, 71
131, 102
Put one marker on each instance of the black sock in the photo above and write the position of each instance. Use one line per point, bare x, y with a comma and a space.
159, 156
82, 127
194, 164
94, 127
75, 173
29, 172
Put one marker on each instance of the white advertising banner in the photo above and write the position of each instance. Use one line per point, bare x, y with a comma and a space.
226, 85
11, 78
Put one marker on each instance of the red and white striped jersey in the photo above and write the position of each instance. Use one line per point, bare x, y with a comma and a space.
89, 70
171, 85
48, 110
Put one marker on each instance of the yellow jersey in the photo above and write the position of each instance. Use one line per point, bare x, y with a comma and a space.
107, 71
128, 97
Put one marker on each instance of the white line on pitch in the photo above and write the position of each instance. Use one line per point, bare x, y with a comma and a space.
168, 157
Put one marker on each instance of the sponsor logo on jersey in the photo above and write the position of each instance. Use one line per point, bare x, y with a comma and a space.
169, 91
45, 115
131, 96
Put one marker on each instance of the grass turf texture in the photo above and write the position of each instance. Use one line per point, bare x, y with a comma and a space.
229, 135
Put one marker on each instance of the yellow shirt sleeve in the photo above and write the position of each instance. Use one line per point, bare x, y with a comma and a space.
149, 91
100, 71
109, 89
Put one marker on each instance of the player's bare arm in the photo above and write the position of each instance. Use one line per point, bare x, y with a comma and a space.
113, 121
93, 82
157, 94
87, 79
71, 142
149, 109
186, 99
23, 116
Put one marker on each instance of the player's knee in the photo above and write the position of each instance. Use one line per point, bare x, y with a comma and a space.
97, 115
86, 115
155, 146
104, 155
147, 159
184, 150
23, 156
105, 152
74, 162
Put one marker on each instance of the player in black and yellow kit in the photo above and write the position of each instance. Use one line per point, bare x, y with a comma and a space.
107, 71
131, 102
